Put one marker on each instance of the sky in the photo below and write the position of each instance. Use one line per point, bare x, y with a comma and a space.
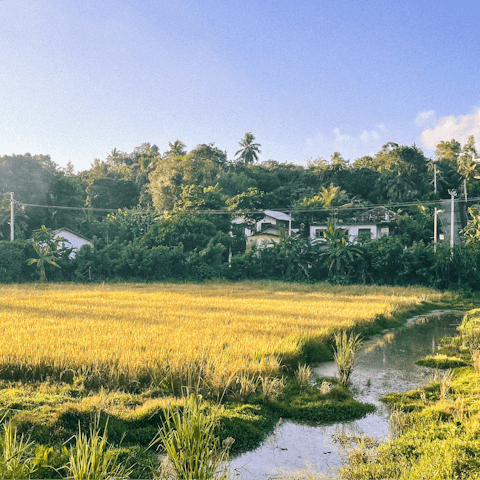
79, 78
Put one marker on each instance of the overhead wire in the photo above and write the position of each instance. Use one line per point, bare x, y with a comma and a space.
260, 211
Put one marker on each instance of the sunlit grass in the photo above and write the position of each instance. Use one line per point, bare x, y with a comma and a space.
131, 335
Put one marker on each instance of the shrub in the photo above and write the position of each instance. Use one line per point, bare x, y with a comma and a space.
13, 261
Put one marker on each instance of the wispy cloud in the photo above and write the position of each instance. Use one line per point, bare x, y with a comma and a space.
447, 128
424, 118
350, 146
341, 138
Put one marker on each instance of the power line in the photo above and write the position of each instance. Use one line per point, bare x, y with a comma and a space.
70, 208
258, 211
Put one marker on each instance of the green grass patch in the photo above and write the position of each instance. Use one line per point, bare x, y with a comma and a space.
441, 361
435, 430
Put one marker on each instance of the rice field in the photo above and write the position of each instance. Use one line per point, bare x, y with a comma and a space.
136, 335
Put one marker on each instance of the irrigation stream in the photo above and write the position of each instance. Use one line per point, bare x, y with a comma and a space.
385, 364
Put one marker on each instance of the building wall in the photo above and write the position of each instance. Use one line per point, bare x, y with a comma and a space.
73, 241
262, 240
353, 231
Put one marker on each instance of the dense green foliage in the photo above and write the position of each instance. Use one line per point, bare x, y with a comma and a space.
171, 215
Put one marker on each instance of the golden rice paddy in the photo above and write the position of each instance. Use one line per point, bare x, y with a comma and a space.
135, 334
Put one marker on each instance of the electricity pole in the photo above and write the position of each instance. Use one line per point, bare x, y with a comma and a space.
453, 194
12, 218
435, 228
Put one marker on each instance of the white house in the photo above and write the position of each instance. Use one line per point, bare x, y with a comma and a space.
267, 230
73, 240
272, 218
374, 223
279, 219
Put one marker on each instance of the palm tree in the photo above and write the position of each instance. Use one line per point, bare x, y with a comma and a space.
177, 149
249, 151
339, 253
467, 169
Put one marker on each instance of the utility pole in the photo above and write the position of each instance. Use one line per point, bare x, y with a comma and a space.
12, 218
435, 229
453, 194
435, 176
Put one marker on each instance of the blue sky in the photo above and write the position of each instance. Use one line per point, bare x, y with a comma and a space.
307, 78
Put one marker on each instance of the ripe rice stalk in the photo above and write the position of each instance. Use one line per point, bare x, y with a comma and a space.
345, 350
135, 336
303, 374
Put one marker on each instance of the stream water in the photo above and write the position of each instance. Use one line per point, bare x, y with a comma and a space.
385, 364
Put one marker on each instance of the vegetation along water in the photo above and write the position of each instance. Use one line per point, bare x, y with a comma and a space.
134, 354
435, 428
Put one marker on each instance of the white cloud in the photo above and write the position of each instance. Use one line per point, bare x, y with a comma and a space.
350, 146
339, 138
448, 128
425, 117
370, 136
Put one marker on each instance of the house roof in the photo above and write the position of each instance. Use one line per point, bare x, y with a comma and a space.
60, 230
271, 230
278, 215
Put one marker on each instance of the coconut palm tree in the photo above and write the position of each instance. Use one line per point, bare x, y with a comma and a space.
467, 169
249, 151
338, 253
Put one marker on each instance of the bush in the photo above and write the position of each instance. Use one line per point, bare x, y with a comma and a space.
13, 261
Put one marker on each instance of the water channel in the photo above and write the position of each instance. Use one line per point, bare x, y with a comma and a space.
385, 364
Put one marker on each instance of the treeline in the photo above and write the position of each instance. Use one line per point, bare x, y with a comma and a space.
204, 178
385, 261
161, 231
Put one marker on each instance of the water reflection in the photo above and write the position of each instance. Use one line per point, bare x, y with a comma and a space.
385, 364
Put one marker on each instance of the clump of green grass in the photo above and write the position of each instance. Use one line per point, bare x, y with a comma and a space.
470, 330
193, 451
345, 350
91, 457
441, 361
16, 454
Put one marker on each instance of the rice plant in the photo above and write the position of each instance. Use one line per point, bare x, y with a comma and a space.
132, 336
91, 457
344, 354
246, 386
446, 383
271, 388
188, 439
476, 360
303, 374
16, 454
325, 387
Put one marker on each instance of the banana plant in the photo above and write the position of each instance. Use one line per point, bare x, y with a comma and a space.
44, 256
